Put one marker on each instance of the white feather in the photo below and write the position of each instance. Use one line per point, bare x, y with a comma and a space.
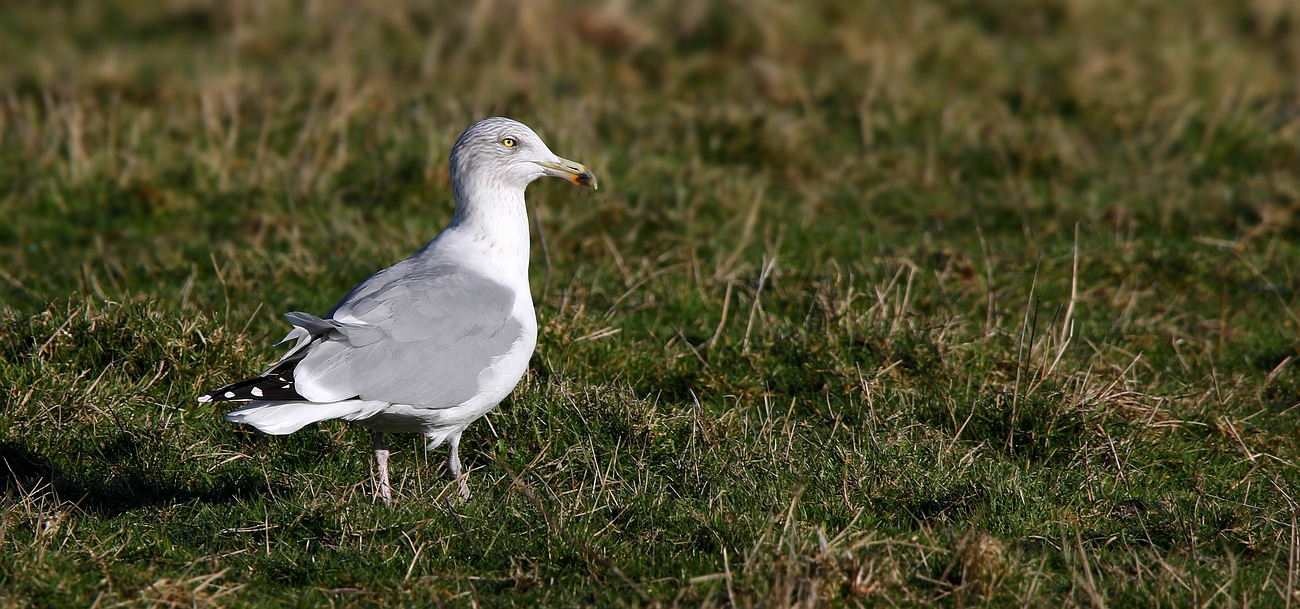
283, 418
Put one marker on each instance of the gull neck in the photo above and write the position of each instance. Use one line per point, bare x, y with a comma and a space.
494, 218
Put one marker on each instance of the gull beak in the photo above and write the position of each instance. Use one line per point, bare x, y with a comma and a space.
570, 170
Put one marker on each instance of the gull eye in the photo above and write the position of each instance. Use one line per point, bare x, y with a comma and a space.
508, 142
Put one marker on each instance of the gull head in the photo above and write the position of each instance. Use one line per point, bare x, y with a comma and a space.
507, 154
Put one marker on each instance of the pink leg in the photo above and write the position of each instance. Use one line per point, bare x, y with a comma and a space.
381, 462
453, 464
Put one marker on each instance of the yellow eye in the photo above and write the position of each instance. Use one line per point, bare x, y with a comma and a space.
508, 142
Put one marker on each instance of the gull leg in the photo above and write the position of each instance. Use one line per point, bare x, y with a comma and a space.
381, 462
453, 463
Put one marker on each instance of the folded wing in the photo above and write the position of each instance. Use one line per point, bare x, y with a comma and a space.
418, 335
415, 333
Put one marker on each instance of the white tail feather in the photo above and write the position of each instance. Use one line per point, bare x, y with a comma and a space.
281, 418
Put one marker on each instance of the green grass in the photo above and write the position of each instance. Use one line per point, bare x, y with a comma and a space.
880, 303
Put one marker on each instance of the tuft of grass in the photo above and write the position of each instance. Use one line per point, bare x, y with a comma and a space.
936, 303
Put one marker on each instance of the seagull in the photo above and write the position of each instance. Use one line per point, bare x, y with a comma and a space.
432, 343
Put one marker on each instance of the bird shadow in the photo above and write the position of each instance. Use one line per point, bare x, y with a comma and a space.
24, 472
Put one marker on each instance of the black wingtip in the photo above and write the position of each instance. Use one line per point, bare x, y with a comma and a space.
277, 385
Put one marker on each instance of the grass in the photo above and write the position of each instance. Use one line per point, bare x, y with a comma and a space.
945, 303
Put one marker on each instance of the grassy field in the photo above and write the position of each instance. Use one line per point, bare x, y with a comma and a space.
879, 303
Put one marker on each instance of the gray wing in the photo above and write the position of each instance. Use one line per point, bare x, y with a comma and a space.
414, 334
